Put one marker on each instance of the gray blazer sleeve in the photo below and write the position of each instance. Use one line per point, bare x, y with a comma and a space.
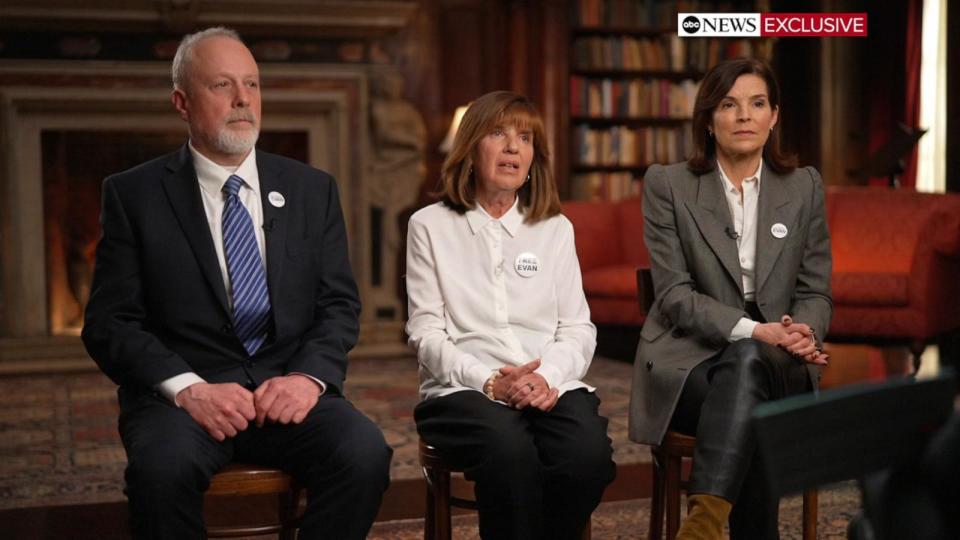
812, 302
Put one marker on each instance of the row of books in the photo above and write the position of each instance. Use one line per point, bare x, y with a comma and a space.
665, 53
654, 14
631, 147
603, 186
609, 98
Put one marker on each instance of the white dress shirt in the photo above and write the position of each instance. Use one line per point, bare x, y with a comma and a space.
486, 293
743, 209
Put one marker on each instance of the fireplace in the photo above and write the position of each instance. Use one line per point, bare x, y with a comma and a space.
65, 126
74, 163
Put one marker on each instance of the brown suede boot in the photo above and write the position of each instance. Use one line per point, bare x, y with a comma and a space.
706, 516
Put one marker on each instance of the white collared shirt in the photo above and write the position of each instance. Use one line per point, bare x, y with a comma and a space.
472, 311
743, 210
212, 178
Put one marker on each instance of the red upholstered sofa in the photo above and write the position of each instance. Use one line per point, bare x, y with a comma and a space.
896, 262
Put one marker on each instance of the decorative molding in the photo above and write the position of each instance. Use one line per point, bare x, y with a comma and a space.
306, 18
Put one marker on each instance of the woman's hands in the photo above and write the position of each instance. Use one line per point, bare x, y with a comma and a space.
795, 338
521, 387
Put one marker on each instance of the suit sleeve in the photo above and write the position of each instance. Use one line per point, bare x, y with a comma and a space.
336, 324
676, 293
116, 332
812, 302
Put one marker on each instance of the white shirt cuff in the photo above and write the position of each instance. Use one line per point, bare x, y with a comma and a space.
743, 329
323, 385
174, 385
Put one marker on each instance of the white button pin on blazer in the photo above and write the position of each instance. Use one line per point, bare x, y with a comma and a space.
527, 264
778, 230
276, 199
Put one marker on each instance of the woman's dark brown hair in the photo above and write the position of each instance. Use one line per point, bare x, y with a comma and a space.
714, 87
538, 195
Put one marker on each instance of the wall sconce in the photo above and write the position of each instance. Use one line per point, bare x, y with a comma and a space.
447, 143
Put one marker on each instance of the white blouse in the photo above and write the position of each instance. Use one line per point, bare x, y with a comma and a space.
486, 293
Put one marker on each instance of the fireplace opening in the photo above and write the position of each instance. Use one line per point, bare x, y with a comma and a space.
75, 162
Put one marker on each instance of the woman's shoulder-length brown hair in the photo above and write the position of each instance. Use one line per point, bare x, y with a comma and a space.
538, 195
714, 87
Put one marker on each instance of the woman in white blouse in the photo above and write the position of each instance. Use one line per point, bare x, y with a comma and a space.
502, 330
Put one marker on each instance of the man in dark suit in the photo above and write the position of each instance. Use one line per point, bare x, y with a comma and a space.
223, 305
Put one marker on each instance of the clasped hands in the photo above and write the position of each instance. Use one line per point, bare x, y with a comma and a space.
226, 409
521, 387
795, 338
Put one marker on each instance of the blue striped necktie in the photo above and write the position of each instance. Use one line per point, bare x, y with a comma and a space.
251, 300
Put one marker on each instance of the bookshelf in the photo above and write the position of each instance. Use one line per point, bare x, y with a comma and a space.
632, 84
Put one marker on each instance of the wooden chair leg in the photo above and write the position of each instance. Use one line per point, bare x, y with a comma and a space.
587, 530
810, 514
287, 508
655, 530
437, 524
671, 496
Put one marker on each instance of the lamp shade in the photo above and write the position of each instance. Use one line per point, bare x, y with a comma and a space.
447, 143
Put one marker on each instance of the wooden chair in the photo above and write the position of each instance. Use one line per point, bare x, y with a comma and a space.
437, 471
669, 455
241, 479
667, 483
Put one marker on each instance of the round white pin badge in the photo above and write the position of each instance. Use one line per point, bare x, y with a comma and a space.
276, 199
527, 264
778, 230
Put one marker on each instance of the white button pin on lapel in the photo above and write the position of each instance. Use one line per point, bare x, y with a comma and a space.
778, 230
276, 199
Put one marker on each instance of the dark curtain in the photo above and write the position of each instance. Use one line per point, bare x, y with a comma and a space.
911, 113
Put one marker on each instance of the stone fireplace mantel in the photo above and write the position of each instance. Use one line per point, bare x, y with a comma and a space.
329, 103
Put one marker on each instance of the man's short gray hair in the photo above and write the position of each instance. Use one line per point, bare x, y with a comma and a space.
181, 60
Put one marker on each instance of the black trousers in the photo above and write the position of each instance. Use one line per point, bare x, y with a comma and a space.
336, 452
538, 475
715, 405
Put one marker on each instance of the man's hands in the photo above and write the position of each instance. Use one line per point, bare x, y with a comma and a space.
795, 338
286, 399
222, 409
228, 408
521, 387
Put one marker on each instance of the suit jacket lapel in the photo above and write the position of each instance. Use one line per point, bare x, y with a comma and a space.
274, 221
714, 221
776, 204
183, 191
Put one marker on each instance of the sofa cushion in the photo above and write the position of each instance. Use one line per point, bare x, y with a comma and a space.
596, 232
871, 288
631, 241
616, 281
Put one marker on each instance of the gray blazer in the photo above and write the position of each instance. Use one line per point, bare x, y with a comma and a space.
697, 278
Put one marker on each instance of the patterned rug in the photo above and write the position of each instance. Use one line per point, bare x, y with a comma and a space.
59, 443
623, 520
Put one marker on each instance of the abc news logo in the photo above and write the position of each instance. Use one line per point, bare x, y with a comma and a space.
727, 24
718, 24
771, 24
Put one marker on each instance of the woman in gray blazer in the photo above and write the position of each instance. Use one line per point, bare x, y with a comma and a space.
740, 257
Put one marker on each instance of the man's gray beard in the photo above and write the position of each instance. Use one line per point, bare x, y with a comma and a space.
236, 142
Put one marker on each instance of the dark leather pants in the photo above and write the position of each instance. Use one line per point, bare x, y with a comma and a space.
715, 405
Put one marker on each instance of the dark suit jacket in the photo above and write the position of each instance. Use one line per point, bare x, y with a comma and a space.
697, 277
158, 307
